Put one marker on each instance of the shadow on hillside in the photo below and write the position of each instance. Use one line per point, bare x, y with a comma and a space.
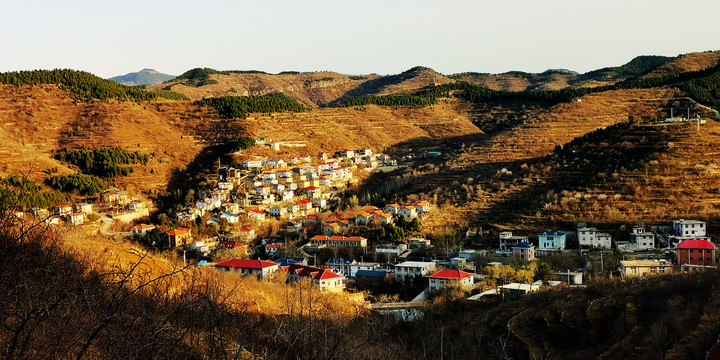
575, 168
374, 86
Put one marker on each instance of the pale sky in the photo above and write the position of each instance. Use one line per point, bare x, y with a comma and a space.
109, 38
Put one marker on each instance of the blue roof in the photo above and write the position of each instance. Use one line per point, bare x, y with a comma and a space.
371, 273
202, 262
523, 245
554, 233
230, 214
289, 261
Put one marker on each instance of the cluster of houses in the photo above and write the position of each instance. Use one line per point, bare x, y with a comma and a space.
70, 214
688, 238
288, 189
334, 275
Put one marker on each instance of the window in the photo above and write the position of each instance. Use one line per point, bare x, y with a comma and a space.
662, 269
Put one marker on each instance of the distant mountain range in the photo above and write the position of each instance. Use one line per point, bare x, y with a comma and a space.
143, 77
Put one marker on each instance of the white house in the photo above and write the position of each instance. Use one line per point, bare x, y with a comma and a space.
589, 236
230, 217
249, 164
76, 218
413, 268
422, 207
394, 249
552, 240
642, 239
259, 268
689, 228
507, 240
84, 208
142, 229
451, 277
325, 279
255, 214
278, 210
408, 212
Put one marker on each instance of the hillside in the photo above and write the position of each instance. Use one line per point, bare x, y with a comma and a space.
560, 79
311, 89
37, 121
685, 63
142, 77
471, 177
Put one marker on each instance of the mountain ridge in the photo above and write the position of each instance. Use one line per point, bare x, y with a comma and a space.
145, 76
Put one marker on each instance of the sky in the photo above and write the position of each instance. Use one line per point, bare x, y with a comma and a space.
109, 38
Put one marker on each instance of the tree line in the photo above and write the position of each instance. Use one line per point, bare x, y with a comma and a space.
82, 183
231, 107
85, 86
103, 161
21, 193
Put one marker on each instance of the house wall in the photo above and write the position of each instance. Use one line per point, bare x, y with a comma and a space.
696, 256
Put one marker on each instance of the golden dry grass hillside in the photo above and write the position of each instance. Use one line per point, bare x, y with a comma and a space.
37, 121
516, 82
687, 62
310, 89
497, 178
373, 126
243, 293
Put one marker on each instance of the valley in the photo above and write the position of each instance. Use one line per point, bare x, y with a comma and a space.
433, 192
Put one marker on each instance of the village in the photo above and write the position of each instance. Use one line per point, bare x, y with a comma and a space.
282, 215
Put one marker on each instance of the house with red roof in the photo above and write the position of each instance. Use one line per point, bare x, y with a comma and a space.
313, 191
177, 237
451, 277
325, 279
392, 208
247, 267
63, 209
383, 218
256, 214
247, 233
304, 205
272, 249
408, 212
422, 207
698, 252
363, 219
76, 218
142, 229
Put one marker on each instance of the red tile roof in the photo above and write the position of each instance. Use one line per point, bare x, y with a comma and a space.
312, 272
451, 274
696, 244
144, 227
246, 229
247, 264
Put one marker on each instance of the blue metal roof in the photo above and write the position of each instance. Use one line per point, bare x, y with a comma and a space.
523, 245
371, 273
554, 233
